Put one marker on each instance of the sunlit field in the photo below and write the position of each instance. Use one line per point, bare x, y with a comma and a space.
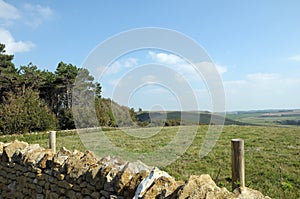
272, 154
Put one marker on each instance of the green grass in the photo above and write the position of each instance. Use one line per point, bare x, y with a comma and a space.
68, 139
267, 149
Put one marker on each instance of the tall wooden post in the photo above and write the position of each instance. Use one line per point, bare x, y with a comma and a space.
52, 141
238, 163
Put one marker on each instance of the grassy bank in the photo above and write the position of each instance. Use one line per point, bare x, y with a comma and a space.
268, 150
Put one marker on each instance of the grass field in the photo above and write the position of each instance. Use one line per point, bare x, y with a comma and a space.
267, 151
264, 118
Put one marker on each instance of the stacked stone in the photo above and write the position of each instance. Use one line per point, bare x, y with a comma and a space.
30, 171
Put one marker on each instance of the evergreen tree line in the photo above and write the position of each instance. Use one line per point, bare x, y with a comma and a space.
37, 100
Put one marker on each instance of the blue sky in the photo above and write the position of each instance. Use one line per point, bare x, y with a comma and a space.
254, 44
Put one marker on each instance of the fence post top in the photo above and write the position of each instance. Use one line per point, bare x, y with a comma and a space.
237, 140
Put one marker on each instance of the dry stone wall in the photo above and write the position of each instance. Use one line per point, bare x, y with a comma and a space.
30, 171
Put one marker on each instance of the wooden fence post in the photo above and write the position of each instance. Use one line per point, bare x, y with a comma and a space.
52, 141
238, 163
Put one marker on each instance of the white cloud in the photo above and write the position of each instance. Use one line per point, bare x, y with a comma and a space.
114, 68
43, 11
12, 46
149, 79
262, 91
262, 76
165, 58
30, 14
179, 78
188, 71
295, 58
221, 69
8, 11
155, 89
46, 12
115, 82
118, 65
130, 62
210, 71
34, 15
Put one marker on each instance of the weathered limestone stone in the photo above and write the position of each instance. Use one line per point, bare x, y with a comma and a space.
86, 191
71, 194
60, 158
114, 166
41, 182
18, 155
162, 188
39, 189
151, 179
38, 170
60, 176
90, 187
11, 176
112, 174
79, 195
54, 187
21, 182
62, 191
102, 179
47, 185
11, 165
79, 163
95, 195
3, 173
33, 155
47, 193
104, 193
18, 194
72, 163
53, 195
12, 186
76, 187
25, 191
1, 148
247, 193
89, 158
20, 168
130, 173
40, 196
64, 184
31, 186
93, 174
83, 184
46, 160
31, 175
2, 180
12, 148
52, 179
202, 187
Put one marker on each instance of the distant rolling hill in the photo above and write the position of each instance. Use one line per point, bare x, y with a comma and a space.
172, 118
281, 117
